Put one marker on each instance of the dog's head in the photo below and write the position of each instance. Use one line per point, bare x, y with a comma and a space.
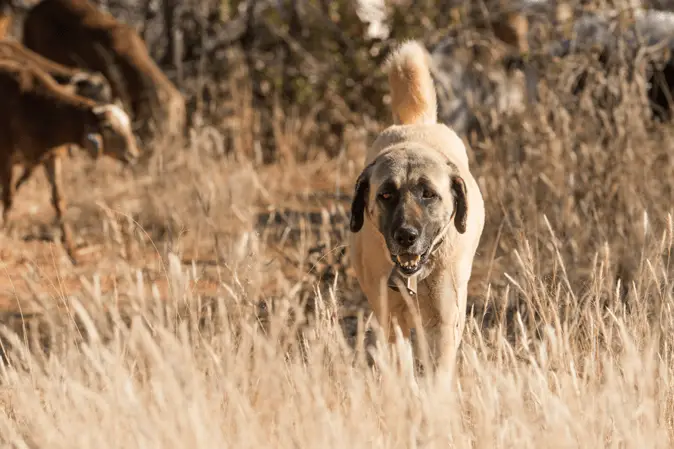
411, 194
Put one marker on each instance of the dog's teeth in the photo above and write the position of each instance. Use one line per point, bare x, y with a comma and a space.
408, 261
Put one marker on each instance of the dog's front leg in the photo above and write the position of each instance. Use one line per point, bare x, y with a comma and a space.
443, 319
389, 309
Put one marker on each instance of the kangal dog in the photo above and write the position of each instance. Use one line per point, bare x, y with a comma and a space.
417, 216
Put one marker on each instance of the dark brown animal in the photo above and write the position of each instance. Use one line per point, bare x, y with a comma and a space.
38, 120
91, 85
77, 34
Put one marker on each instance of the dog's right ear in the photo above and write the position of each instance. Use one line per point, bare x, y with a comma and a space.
460, 204
360, 200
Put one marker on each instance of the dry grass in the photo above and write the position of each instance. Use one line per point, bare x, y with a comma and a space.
184, 327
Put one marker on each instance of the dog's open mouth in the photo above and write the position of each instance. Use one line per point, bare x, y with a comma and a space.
410, 264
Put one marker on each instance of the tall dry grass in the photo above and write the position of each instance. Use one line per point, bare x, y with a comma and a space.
594, 376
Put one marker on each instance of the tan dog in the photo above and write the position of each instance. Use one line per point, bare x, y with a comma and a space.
417, 215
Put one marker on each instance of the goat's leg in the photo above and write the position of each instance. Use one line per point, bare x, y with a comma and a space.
7, 191
25, 176
53, 167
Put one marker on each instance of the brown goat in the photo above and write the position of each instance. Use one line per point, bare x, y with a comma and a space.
39, 119
80, 82
76, 33
91, 85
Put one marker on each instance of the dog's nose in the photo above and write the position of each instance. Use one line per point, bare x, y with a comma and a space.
405, 236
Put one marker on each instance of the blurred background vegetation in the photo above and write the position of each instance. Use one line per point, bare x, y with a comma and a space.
311, 59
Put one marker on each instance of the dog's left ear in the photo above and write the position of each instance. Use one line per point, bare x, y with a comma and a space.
460, 203
360, 200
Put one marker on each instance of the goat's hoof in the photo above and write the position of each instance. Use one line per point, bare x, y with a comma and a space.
72, 258
70, 251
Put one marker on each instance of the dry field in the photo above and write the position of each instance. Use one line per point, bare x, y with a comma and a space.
214, 306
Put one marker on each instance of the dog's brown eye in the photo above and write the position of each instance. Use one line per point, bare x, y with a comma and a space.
428, 194
385, 196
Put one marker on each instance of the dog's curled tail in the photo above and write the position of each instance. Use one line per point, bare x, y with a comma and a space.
413, 97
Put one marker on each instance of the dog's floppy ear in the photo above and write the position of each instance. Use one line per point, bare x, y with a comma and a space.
360, 199
460, 203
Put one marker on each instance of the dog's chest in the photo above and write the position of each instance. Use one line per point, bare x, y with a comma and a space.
424, 291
